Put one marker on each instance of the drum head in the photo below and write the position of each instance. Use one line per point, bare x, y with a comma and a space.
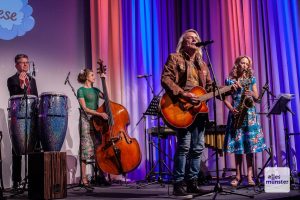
21, 96
52, 94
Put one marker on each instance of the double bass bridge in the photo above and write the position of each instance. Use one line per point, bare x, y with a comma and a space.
111, 142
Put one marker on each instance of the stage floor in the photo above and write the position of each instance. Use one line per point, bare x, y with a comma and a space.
157, 191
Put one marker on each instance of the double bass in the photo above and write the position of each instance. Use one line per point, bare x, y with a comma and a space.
118, 153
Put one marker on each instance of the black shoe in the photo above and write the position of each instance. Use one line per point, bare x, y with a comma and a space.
179, 191
101, 180
192, 187
104, 182
16, 185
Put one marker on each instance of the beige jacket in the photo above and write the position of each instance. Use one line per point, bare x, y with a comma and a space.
174, 75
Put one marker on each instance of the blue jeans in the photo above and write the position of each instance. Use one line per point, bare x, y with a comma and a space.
190, 145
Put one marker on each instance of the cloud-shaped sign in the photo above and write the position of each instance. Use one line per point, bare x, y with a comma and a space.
15, 18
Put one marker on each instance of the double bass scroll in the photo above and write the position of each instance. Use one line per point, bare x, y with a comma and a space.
118, 152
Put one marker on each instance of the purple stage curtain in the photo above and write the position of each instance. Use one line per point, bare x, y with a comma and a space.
267, 31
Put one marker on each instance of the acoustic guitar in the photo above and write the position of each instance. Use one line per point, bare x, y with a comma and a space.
178, 113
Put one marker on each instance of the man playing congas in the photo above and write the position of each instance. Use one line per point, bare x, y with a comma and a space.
17, 84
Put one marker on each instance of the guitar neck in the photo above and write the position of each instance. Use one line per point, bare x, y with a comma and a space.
211, 94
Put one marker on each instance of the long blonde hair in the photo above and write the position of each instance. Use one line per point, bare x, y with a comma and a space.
179, 45
234, 71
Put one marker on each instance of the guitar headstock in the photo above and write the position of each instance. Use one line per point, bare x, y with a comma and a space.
102, 68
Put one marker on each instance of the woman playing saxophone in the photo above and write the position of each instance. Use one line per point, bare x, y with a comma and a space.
243, 133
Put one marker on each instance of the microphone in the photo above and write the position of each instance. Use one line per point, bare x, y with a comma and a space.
204, 43
67, 79
33, 69
143, 76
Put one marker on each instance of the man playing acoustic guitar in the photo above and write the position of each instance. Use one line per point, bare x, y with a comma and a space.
183, 71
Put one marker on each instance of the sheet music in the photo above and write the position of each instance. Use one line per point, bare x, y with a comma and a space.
153, 108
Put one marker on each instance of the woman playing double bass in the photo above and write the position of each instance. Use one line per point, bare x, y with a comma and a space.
118, 153
88, 97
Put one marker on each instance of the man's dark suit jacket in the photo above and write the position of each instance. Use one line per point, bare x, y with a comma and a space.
13, 84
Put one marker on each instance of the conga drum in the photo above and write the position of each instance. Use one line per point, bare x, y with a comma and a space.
20, 125
53, 120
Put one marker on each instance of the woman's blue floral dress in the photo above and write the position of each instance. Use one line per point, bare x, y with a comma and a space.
249, 138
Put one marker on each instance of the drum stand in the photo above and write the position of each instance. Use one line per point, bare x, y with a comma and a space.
81, 111
1, 177
25, 180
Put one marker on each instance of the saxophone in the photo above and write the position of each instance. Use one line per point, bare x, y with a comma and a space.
245, 103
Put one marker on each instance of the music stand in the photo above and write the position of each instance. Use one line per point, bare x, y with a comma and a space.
280, 106
153, 110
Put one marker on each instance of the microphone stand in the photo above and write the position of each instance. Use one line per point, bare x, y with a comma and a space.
154, 112
218, 188
270, 149
152, 91
80, 184
143, 117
